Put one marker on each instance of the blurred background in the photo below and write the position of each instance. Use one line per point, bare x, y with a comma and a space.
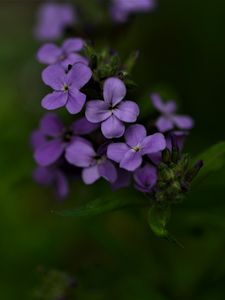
115, 256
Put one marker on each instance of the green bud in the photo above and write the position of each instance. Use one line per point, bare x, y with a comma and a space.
166, 174
174, 188
166, 156
193, 172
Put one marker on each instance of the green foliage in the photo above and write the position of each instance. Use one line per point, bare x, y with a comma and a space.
213, 160
158, 219
104, 205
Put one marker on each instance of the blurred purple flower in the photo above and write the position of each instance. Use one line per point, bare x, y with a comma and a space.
112, 111
129, 154
66, 87
66, 55
52, 20
95, 164
173, 139
121, 9
169, 119
52, 176
52, 138
123, 179
145, 178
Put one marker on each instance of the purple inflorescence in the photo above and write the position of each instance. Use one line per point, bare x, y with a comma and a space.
116, 147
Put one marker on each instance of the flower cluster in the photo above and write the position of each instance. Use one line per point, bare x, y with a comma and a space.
54, 19
107, 139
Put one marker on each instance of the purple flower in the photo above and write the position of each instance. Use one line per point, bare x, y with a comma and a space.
121, 9
95, 164
123, 179
112, 111
129, 154
52, 138
66, 55
52, 176
174, 138
145, 178
66, 87
169, 119
52, 20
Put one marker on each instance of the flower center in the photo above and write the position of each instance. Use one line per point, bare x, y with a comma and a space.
62, 57
136, 148
67, 136
98, 159
65, 88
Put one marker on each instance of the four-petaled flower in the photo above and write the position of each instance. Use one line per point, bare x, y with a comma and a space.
169, 119
95, 164
121, 9
129, 154
145, 178
52, 138
112, 111
66, 87
66, 55
52, 176
52, 20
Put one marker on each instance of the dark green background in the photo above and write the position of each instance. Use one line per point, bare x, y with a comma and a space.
115, 256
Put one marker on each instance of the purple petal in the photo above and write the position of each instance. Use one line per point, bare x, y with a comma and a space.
177, 138
183, 122
131, 161
108, 171
51, 125
114, 91
43, 175
165, 108
80, 153
54, 100
135, 134
112, 128
37, 139
49, 54
49, 152
127, 111
72, 59
156, 158
97, 111
145, 178
153, 143
72, 45
76, 101
117, 151
79, 75
164, 124
83, 126
62, 187
91, 174
54, 76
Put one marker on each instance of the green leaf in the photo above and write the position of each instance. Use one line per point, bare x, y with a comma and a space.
131, 61
104, 205
158, 219
213, 160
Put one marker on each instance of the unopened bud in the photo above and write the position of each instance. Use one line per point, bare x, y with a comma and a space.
193, 172
166, 156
